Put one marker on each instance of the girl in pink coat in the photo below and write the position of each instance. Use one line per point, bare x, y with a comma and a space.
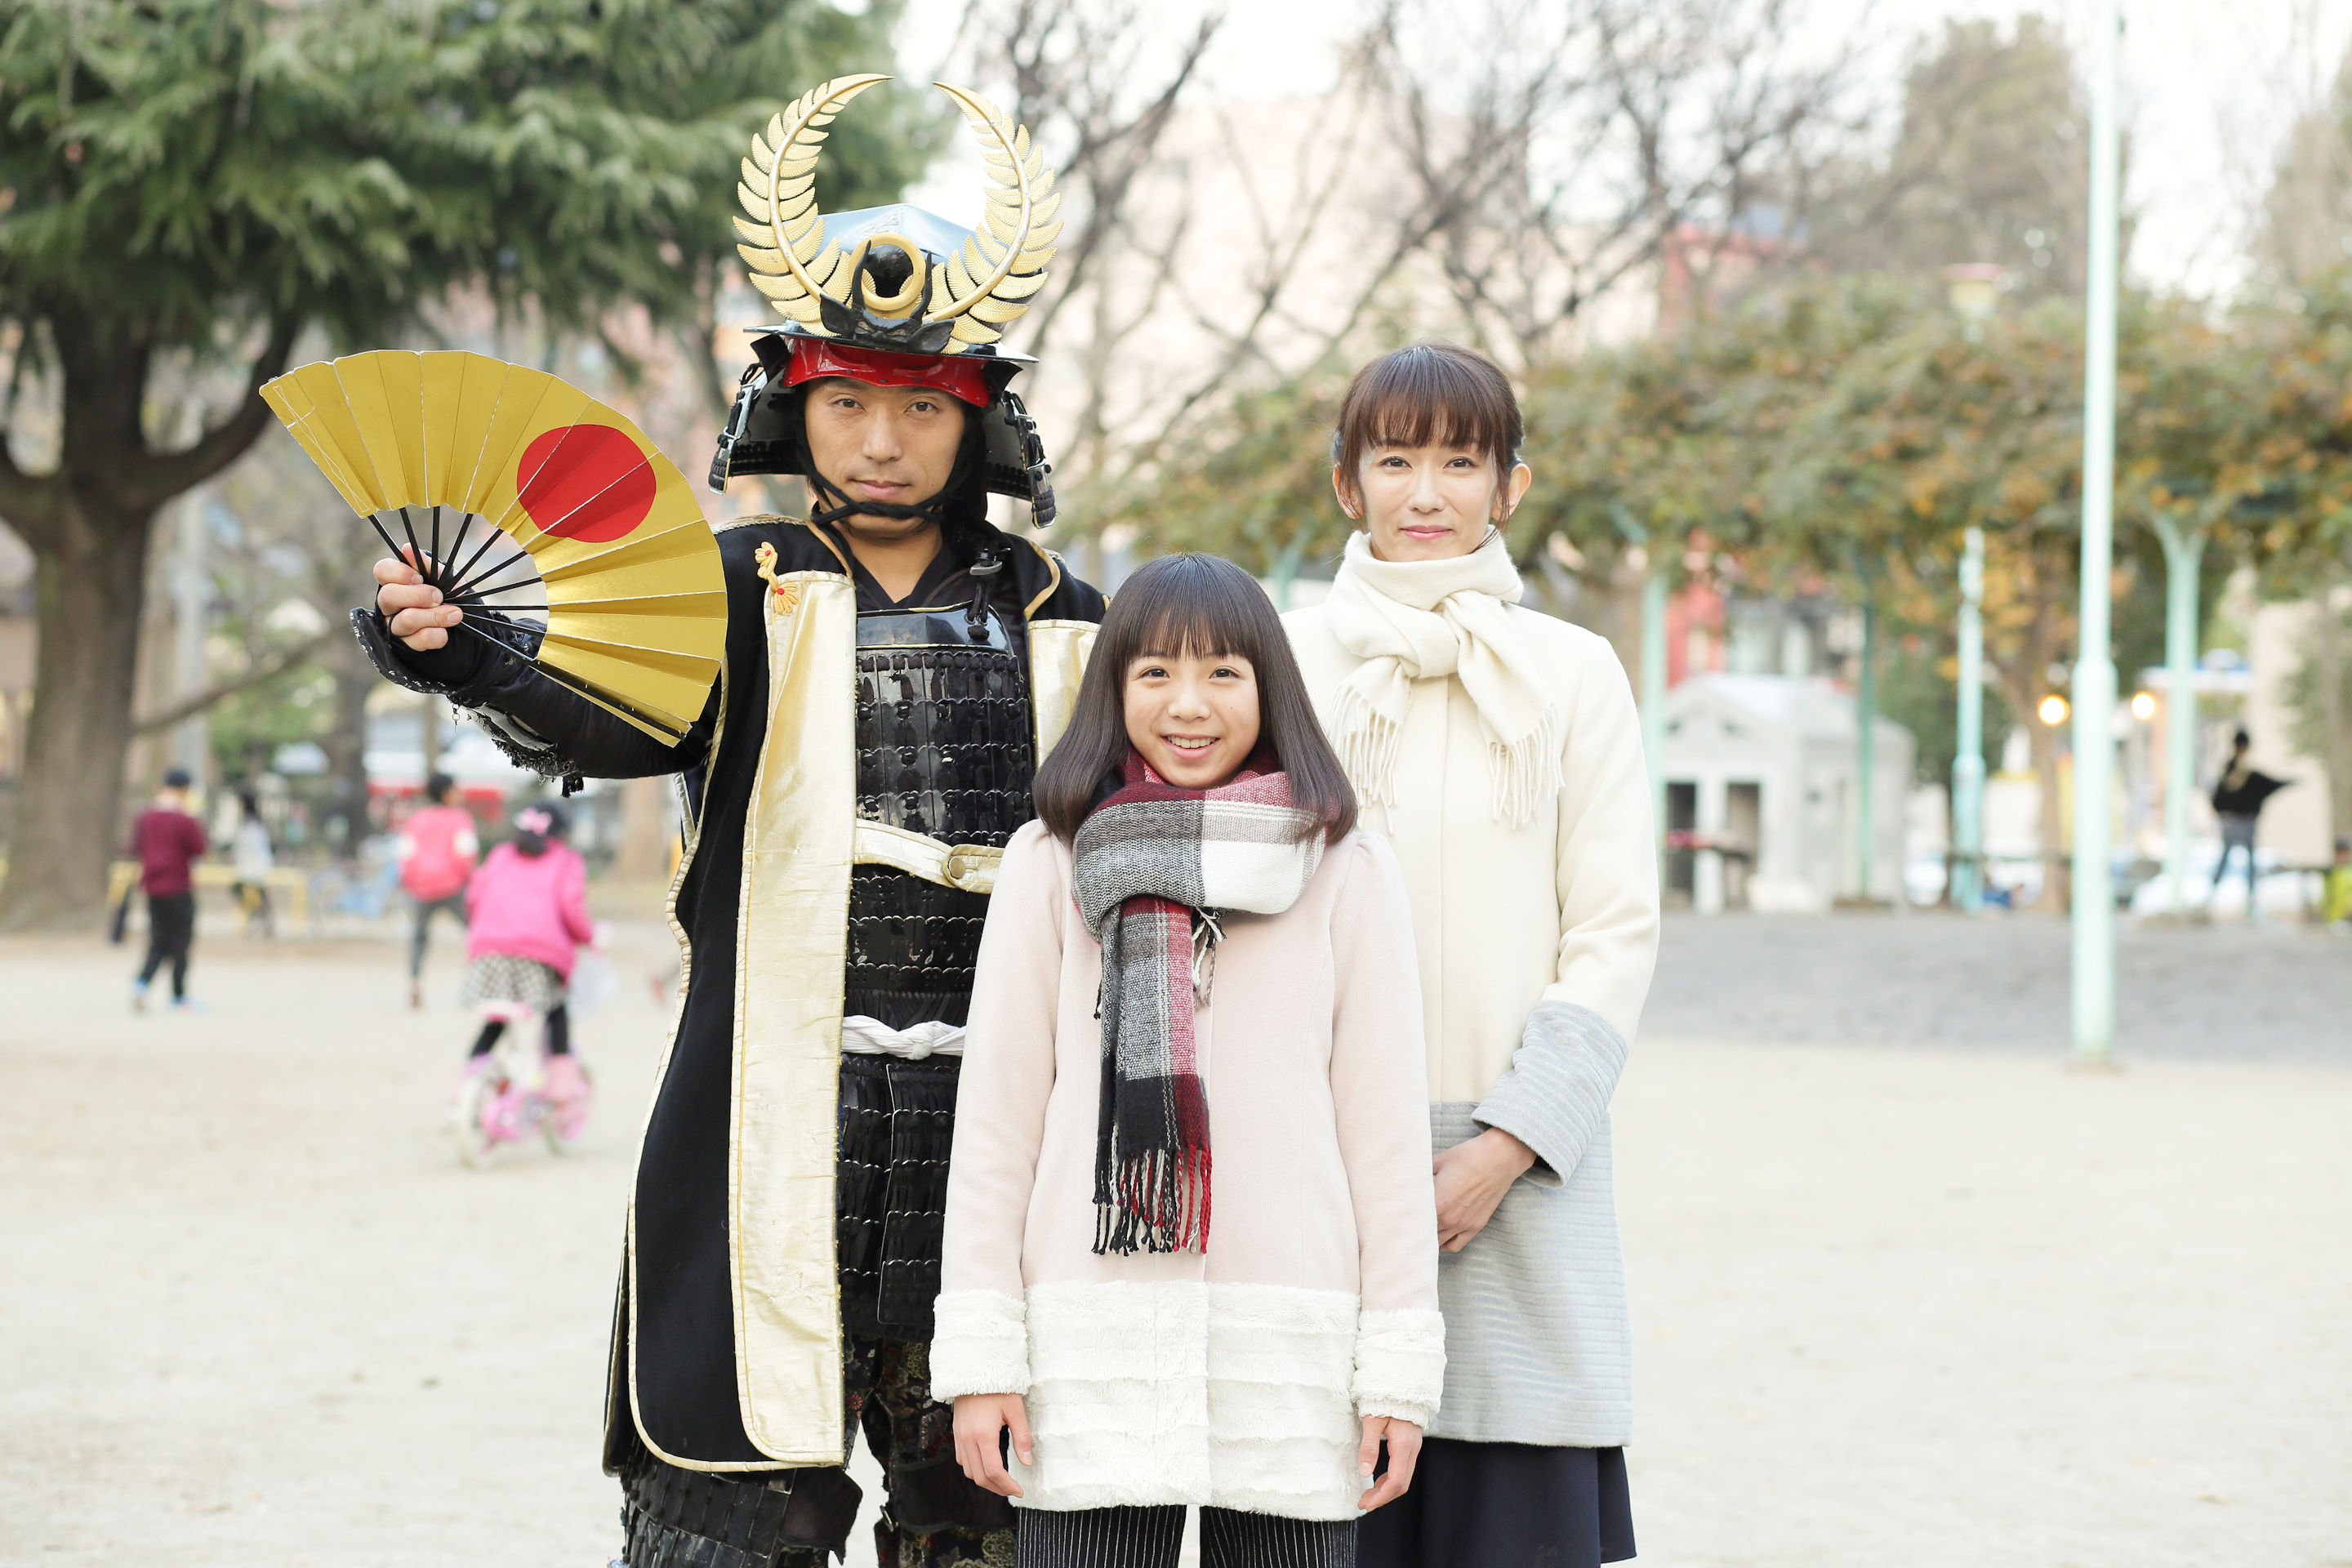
526, 919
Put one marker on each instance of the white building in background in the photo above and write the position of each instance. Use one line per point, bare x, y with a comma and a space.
1761, 769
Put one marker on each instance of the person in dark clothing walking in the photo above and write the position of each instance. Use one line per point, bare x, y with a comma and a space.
168, 843
2238, 799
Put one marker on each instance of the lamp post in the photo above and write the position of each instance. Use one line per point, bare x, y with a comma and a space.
1656, 569
2184, 554
1653, 686
1973, 288
2094, 664
1967, 761
1865, 744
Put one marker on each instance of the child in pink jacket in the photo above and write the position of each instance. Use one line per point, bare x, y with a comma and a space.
526, 917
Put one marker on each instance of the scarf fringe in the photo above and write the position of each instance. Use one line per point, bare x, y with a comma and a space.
1157, 1199
1519, 774
1524, 773
1368, 743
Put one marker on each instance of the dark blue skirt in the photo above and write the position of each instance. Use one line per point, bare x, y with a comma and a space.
1476, 1505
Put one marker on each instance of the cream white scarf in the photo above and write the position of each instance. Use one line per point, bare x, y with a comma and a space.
1417, 620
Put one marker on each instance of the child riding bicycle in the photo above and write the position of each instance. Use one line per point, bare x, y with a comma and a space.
527, 917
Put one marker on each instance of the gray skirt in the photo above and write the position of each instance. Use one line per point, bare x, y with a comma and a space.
500, 977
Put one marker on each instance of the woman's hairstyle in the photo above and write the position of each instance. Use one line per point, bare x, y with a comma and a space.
1430, 395
1176, 605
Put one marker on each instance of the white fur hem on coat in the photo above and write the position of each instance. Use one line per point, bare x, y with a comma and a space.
1240, 1397
1400, 1364
981, 1344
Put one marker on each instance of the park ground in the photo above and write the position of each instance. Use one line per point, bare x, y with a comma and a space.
1906, 1292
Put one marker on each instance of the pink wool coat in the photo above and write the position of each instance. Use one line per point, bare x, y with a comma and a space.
530, 905
1235, 1378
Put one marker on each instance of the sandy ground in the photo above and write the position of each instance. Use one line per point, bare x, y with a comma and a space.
1920, 1306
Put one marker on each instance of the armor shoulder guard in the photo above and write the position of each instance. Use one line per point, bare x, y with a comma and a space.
1048, 590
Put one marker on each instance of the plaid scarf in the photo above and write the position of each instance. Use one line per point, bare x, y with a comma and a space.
1155, 865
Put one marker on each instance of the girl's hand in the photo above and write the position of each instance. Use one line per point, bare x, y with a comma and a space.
1402, 1437
980, 1421
1471, 1178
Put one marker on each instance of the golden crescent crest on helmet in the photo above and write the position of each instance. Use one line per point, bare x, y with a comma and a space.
982, 288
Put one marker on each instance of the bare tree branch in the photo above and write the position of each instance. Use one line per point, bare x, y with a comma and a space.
262, 674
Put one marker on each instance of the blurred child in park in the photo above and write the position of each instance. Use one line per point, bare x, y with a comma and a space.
167, 842
437, 849
252, 859
526, 920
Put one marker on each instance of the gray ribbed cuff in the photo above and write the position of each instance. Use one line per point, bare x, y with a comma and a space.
1555, 1095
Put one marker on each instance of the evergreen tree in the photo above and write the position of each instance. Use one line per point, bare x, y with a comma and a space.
188, 188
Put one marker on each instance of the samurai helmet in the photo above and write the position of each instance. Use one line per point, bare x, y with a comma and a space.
893, 295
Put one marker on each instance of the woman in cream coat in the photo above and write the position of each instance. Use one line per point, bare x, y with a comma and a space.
1497, 750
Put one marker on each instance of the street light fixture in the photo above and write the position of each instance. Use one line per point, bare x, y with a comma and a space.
1973, 289
2094, 664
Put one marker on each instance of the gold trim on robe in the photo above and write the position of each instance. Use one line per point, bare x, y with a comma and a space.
790, 948
1057, 663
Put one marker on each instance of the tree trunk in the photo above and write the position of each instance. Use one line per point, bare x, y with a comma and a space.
90, 583
346, 747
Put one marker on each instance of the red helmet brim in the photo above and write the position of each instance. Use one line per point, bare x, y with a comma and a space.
960, 376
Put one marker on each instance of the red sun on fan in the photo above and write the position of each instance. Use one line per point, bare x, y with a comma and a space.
587, 482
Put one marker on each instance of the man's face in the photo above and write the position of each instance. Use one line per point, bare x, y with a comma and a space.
895, 444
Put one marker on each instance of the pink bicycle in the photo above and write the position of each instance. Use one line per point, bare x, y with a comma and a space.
519, 1091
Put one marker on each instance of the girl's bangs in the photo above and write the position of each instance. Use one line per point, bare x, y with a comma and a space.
1196, 612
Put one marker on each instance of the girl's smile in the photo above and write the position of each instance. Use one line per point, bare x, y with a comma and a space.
1192, 717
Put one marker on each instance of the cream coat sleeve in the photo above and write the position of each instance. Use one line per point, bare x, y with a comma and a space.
981, 1344
1556, 1093
1381, 1101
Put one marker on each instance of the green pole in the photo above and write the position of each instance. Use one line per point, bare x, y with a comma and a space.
1653, 687
2184, 553
1285, 572
2094, 664
1968, 763
1866, 750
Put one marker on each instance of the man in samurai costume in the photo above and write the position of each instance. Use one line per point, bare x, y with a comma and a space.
895, 668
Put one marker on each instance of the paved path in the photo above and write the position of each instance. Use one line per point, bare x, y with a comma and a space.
1917, 1307
2270, 993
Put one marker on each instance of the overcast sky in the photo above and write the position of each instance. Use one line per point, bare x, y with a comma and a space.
2208, 89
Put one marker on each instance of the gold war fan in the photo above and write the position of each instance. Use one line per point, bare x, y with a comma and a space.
562, 532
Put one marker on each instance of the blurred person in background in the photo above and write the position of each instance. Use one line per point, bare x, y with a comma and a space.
251, 856
2336, 891
1498, 752
2238, 799
437, 849
526, 920
167, 841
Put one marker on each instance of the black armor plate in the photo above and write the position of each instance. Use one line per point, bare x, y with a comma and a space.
943, 749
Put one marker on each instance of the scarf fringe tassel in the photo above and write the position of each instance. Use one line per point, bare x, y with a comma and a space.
1160, 1203
1520, 776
